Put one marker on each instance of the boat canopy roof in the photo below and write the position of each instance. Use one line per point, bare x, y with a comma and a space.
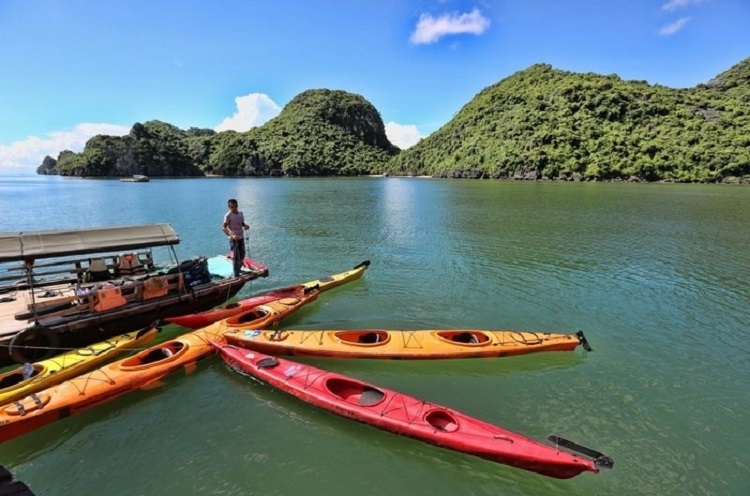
18, 246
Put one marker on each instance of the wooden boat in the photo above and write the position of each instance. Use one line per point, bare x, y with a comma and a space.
30, 378
407, 344
77, 287
408, 416
201, 319
135, 178
140, 371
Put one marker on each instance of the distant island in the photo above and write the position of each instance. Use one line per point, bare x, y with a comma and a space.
538, 124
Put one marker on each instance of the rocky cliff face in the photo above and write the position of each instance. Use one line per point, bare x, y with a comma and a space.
544, 123
48, 166
320, 132
352, 113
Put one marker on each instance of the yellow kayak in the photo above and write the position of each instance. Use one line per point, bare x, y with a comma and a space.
405, 344
18, 382
329, 282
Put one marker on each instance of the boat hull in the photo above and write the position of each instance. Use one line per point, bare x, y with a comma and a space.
408, 416
406, 344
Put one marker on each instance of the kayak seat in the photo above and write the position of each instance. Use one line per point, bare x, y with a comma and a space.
368, 338
11, 380
267, 363
465, 337
370, 397
249, 316
442, 420
26, 372
354, 392
157, 355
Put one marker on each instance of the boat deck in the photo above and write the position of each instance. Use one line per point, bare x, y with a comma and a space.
19, 302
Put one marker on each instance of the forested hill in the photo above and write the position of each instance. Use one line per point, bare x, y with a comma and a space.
546, 123
540, 123
320, 132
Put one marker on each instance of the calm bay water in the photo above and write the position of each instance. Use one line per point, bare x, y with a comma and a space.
656, 275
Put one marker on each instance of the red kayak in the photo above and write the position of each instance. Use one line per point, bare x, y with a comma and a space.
202, 319
412, 417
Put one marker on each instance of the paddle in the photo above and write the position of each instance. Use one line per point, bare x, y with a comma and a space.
584, 342
601, 460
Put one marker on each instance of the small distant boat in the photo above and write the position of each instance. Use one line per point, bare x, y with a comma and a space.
136, 178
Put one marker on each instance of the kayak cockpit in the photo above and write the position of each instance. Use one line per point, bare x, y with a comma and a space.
248, 317
20, 375
467, 338
354, 392
364, 337
162, 353
441, 420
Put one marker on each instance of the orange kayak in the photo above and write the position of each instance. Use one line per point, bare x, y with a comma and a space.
414, 345
139, 371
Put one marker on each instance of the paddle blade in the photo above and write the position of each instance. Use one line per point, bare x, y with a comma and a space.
250, 264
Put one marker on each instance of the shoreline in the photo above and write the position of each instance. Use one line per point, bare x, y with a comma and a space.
735, 181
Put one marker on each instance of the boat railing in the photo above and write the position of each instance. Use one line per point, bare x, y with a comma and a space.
15, 276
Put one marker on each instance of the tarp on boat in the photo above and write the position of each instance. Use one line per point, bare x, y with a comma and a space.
18, 246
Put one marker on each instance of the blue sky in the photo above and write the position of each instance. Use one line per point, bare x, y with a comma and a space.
70, 69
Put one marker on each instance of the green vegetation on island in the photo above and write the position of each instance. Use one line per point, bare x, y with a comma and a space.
540, 123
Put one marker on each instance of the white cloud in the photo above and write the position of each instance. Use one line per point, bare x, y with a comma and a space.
671, 29
430, 29
403, 136
673, 5
252, 110
21, 157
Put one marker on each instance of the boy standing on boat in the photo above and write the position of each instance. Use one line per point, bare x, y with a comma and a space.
234, 223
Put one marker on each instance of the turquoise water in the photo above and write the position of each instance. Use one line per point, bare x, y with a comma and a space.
656, 276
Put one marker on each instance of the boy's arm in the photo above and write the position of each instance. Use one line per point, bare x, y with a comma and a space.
225, 227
